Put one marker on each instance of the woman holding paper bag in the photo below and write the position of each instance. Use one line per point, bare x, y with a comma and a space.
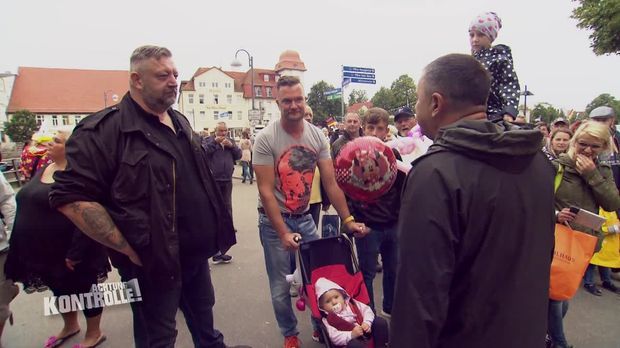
589, 185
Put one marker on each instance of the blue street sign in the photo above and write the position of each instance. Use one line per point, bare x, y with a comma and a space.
370, 82
333, 91
357, 69
360, 75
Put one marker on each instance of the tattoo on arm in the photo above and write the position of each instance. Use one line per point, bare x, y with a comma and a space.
94, 220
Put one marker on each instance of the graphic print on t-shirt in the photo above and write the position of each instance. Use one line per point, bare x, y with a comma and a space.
296, 171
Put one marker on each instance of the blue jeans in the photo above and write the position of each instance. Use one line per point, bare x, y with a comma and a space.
555, 325
603, 272
278, 265
378, 241
245, 171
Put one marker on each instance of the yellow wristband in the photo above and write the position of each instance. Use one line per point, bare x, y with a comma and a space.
349, 219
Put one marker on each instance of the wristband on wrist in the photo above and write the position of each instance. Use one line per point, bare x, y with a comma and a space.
349, 219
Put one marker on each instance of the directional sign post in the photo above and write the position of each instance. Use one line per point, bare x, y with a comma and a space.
355, 74
333, 91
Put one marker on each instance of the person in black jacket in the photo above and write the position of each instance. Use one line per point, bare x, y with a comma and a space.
139, 182
505, 91
474, 243
352, 130
381, 216
222, 153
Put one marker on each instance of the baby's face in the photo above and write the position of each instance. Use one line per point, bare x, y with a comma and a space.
332, 301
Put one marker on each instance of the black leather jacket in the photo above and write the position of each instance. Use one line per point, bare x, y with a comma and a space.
113, 159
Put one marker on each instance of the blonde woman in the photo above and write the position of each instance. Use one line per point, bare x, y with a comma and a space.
588, 184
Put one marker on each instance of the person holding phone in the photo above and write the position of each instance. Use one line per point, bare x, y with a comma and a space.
588, 184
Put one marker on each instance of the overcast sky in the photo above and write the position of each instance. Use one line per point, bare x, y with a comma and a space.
395, 37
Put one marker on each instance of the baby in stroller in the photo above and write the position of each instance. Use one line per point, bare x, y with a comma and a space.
349, 323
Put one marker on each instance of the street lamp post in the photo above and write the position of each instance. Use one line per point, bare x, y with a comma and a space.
525, 93
237, 63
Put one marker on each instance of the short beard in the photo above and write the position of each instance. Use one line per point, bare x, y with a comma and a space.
158, 104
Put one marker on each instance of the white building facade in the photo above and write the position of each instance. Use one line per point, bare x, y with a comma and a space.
213, 95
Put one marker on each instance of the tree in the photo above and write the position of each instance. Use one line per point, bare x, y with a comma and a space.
383, 99
403, 90
603, 18
21, 126
546, 112
357, 96
605, 99
321, 106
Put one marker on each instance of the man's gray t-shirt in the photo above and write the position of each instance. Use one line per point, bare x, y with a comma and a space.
294, 162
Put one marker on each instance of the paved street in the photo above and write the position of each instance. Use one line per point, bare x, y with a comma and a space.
243, 310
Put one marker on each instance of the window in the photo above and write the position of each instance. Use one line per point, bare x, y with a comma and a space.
258, 91
216, 99
266, 78
39, 120
215, 114
214, 84
65, 120
201, 84
269, 94
202, 114
78, 118
269, 115
54, 120
239, 115
190, 98
201, 98
227, 85
229, 99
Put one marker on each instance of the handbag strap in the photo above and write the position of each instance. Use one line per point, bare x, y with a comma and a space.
558, 178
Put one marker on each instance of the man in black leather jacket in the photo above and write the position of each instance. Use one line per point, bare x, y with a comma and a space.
138, 181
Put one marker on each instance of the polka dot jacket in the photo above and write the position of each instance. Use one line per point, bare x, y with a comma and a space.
505, 90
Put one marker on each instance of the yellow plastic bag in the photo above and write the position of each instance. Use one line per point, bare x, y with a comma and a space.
609, 255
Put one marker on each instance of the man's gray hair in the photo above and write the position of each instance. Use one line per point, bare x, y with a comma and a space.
145, 52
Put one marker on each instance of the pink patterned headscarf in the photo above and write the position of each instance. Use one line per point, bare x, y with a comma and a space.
487, 23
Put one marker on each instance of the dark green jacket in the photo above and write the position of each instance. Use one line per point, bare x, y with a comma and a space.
475, 240
589, 191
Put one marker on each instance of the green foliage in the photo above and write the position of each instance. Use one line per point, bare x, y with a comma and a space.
603, 18
21, 126
357, 96
383, 99
546, 112
321, 106
605, 99
403, 90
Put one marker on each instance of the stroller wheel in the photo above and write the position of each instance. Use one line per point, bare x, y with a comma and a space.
301, 304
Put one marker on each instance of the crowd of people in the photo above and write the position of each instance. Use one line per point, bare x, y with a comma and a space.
133, 185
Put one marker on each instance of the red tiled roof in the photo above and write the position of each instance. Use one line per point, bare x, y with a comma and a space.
53, 90
357, 106
187, 85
